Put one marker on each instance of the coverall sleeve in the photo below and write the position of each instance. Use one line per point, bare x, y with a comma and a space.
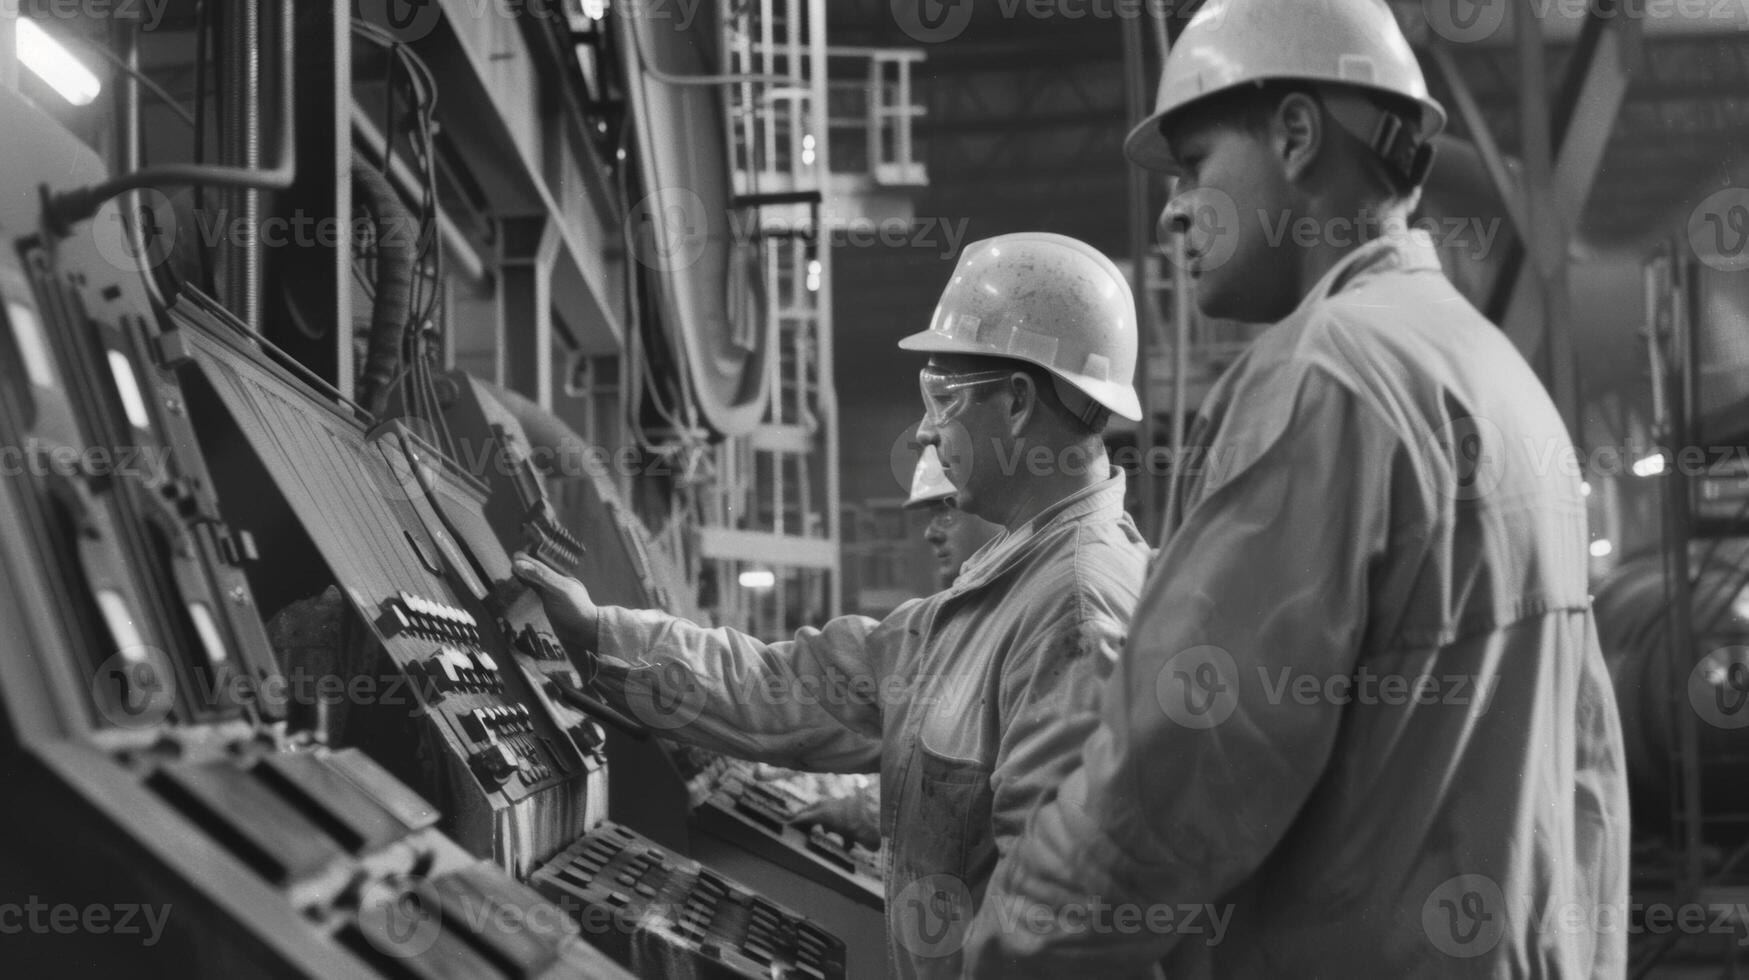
1202, 757
809, 703
1050, 693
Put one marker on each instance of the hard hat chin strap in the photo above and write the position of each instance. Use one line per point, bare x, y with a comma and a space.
1396, 141
1081, 405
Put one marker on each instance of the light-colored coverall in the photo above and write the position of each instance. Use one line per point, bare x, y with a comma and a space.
973, 703
1362, 711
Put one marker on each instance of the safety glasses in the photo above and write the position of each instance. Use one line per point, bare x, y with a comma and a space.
946, 518
945, 395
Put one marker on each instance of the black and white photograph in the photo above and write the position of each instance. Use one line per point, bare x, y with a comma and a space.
874, 489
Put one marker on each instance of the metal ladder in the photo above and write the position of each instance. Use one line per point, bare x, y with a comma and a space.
770, 526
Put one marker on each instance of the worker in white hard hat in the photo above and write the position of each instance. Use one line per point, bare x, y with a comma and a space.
954, 536
1361, 726
972, 703
951, 533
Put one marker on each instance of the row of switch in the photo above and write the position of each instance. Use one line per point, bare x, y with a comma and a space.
772, 938
513, 755
408, 613
482, 724
723, 928
762, 804
767, 935
453, 669
774, 809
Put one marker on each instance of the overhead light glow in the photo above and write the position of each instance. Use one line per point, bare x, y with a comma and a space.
1650, 466
1602, 548
758, 578
1585, 488
54, 64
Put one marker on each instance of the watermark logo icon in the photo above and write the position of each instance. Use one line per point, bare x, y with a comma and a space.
932, 915
407, 20
1718, 230
665, 695
1718, 688
1465, 21
668, 229
1465, 916
400, 916
1475, 447
154, 219
409, 467
1199, 688
953, 451
932, 21
1209, 221
134, 688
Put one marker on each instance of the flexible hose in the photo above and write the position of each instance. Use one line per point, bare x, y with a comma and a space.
392, 304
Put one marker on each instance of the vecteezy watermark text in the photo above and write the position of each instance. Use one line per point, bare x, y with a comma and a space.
37, 917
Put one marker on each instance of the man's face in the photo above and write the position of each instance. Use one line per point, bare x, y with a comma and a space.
1232, 196
955, 535
964, 420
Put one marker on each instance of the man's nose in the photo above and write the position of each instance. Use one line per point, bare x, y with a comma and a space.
927, 434
1175, 218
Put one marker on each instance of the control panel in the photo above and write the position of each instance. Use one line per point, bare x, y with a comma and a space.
755, 807
613, 878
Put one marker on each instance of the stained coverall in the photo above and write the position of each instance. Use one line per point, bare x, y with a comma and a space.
1362, 711
972, 703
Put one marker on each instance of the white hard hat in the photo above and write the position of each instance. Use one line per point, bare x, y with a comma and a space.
1229, 43
929, 482
1047, 300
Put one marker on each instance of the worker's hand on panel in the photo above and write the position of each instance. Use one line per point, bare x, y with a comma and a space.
575, 616
851, 817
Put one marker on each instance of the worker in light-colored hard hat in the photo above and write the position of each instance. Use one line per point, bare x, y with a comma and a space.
1361, 726
972, 703
953, 534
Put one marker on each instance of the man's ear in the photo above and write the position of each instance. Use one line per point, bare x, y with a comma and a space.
1024, 404
1297, 133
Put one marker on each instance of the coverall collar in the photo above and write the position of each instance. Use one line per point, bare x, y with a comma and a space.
1104, 498
1409, 251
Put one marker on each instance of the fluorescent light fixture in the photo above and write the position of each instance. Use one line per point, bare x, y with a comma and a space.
758, 578
54, 64
1602, 548
132, 401
1650, 466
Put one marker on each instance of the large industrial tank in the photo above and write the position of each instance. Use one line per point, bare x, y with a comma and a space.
1710, 682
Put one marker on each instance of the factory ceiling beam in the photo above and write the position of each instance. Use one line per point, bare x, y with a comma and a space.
1482, 135
1533, 312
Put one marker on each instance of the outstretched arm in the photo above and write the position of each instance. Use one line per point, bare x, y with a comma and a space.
808, 703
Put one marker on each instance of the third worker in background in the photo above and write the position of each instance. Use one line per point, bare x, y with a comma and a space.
972, 703
953, 536
1362, 726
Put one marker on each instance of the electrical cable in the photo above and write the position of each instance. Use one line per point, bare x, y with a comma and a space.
170, 102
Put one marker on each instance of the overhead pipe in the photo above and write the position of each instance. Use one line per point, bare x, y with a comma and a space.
64, 209
242, 148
